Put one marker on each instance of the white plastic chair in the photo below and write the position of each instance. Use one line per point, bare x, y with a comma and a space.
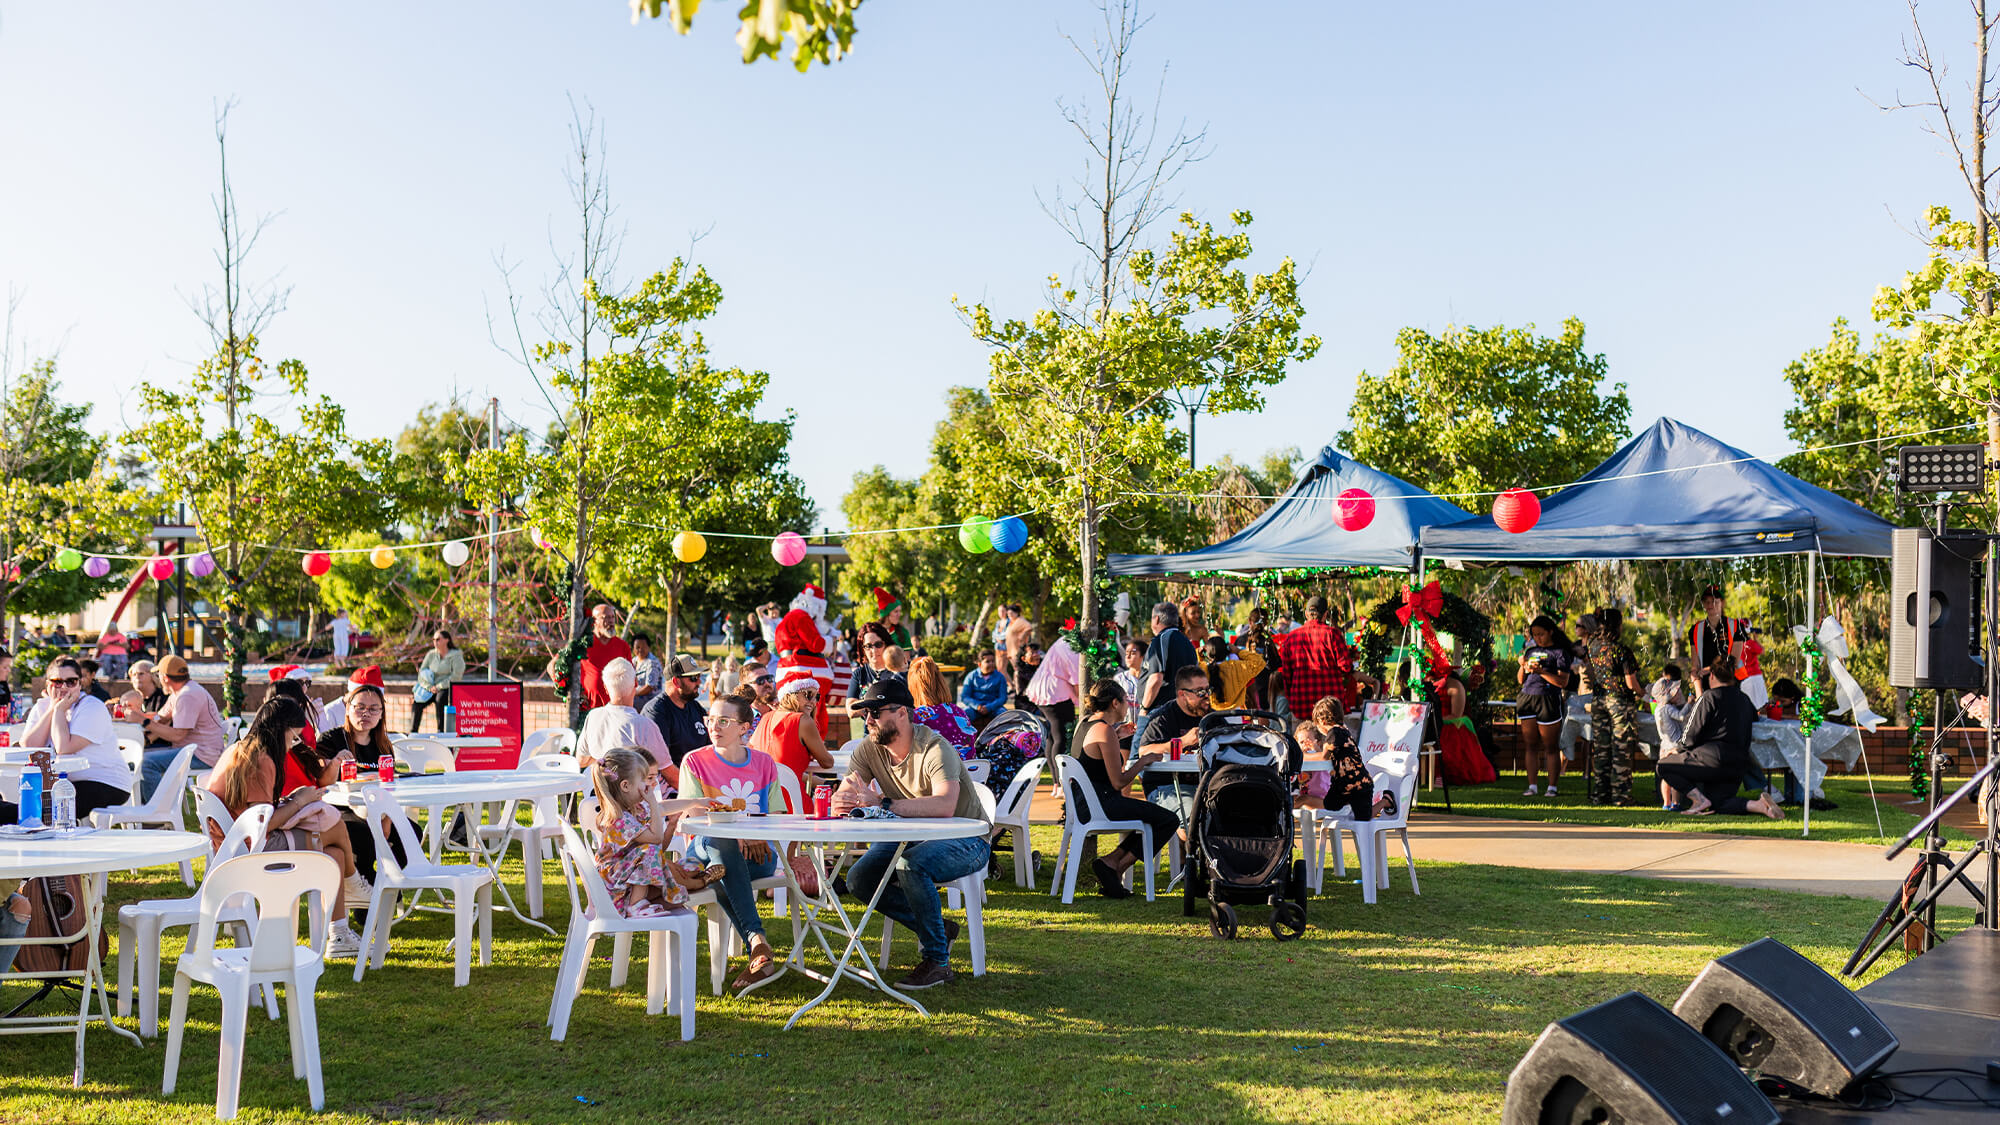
134, 753
1395, 771
1071, 780
420, 754
275, 881
1012, 816
548, 740
163, 811
538, 835
465, 882
969, 889
669, 953
979, 769
141, 924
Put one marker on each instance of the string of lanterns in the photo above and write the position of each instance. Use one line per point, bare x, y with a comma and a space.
1516, 510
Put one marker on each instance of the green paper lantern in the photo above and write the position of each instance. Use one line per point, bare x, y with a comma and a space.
975, 535
69, 558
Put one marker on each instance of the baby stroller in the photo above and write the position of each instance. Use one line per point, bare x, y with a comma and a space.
1009, 741
1240, 832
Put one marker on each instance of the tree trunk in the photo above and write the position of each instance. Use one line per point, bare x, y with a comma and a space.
979, 623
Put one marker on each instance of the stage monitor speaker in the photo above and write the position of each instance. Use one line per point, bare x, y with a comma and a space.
1779, 1014
1630, 1060
1934, 610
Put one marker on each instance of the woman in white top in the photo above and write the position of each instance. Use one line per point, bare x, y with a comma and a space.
76, 725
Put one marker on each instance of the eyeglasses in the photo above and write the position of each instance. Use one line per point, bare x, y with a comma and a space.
368, 709
1197, 692
872, 644
64, 681
715, 720
762, 680
874, 713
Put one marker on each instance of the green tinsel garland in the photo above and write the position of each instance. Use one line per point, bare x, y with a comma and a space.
1812, 709
1920, 765
1100, 657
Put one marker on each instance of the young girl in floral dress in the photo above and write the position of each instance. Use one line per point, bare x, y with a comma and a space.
633, 825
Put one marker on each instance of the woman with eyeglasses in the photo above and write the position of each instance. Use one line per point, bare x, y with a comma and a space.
363, 738
442, 666
874, 659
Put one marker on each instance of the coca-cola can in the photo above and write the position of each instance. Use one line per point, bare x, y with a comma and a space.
6, 738
385, 768
351, 769
823, 802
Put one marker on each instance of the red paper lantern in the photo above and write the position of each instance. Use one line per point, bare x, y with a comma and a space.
1516, 510
317, 563
1353, 509
161, 569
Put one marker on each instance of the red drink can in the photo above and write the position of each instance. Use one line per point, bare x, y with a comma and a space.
823, 803
385, 768
351, 769
6, 738
1174, 750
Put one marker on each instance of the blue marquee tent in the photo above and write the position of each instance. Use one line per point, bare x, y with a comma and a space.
1674, 492
1298, 529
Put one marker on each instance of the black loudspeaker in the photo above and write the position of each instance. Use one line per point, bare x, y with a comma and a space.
1934, 609
1779, 1014
1630, 1060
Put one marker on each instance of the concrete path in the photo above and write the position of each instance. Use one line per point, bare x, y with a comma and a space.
1814, 866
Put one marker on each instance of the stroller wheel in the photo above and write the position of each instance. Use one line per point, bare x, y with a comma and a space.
1222, 920
1288, 921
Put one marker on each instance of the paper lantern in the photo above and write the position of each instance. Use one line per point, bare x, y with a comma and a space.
1353, 509
789, 548
317, 563
689, 546
1008, 535
202, 565
69, 558
383, 557
1516, 510
97, 566
456, 552
975, 535
536, 537
161, 569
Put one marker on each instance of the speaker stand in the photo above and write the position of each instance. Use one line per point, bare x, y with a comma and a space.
1934, 860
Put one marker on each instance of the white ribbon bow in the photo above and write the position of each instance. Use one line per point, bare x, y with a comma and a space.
1846, 692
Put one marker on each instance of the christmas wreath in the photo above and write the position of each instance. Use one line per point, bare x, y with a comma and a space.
1385, 626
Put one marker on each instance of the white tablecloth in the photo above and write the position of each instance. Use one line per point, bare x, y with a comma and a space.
1775, 744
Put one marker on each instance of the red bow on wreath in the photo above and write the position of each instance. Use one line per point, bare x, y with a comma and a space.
1423, 605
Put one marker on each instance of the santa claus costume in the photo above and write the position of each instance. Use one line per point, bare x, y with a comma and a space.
801, 642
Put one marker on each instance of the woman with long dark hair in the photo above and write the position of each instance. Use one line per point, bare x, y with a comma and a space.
1105, 713
1543, 703
363, 738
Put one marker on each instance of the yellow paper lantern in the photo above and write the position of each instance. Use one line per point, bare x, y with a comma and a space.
689, 546
383, 557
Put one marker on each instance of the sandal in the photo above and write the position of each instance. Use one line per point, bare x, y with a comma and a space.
761, 968
647, 908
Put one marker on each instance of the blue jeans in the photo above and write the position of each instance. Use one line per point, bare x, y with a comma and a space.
10, 927
912, 900
738, 897
153, 767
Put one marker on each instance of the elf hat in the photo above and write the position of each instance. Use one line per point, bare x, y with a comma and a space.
885, 602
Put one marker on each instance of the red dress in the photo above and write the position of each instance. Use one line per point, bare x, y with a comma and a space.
1463, 760
778, 736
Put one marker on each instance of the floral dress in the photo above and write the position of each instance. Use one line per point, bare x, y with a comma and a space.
624, 863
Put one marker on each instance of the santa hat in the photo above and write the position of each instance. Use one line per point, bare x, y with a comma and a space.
795, 679
283, 672
368, 675
885, 601
812, 599
798, 632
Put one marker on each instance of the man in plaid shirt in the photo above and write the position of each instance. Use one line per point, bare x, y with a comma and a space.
1317, 662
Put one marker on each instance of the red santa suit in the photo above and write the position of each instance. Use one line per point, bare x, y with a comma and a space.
801, 645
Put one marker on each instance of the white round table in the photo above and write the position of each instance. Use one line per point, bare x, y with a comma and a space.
437, 792
90, 854
119, 730
816, 835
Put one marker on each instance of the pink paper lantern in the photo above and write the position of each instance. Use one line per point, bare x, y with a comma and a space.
161, 569
1516, 510
202, 565
317, 563
789, 548
1353, 509
97, 566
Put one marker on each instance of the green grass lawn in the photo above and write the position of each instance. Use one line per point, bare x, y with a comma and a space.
1413, 1010
1852, 822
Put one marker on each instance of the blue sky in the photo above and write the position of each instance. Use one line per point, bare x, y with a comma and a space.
1704, 184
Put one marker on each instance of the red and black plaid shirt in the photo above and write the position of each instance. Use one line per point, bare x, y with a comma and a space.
1317, 663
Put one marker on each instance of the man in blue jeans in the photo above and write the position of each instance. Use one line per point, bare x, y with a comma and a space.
918, 775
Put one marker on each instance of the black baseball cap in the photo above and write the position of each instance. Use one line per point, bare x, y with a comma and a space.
890, 691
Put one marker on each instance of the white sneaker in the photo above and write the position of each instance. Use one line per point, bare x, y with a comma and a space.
342, 941
358, 892
1529, 791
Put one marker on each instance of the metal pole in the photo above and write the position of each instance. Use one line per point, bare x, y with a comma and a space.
492, 555
1992, 693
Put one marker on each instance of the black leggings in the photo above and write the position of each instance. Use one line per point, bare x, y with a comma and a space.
1164, 823
1061, 717
1718, 783
90, 796
439, 701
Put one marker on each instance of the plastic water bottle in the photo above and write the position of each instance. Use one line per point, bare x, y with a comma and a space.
62, 803
450, 719
31, 798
